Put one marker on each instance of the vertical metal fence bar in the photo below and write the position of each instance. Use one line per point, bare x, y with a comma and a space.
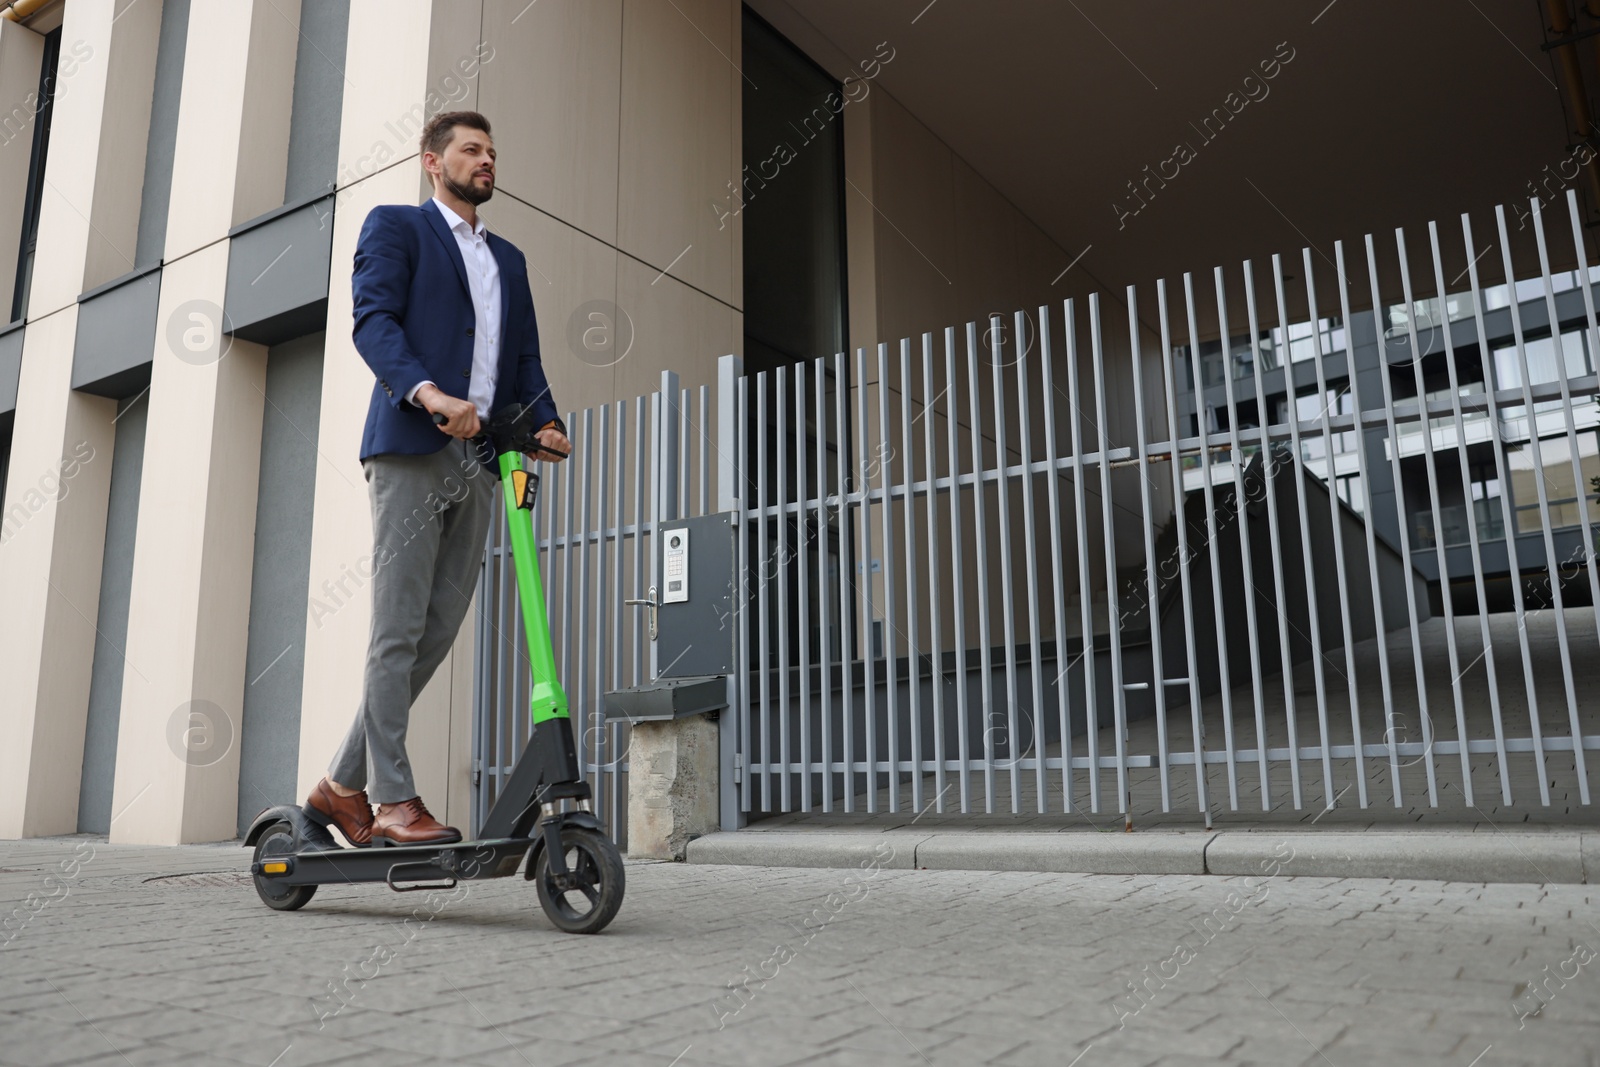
1003, 513
1119, 696
981, 560
1364, 467
743, 770
595, 719
803, 583
890, 631
847, 605
614, 745
1269, 468
1085, 581
1336, 522
1586, 286
776, 572
1559, 352
1508, 520
637, 623
957, 587
682, 458
1240, 500
913, 645
568, 593
1446, 598
1057, 561
764, 591
1539, 481
1389, 737
1031, 563
1181, 519
1213, 550
824, 535
578, 680
869, 668
1474, 542
936, 657
1152, 610
1313, 611
705, 449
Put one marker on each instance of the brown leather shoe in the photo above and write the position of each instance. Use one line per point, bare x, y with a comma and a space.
408, 823
351, 814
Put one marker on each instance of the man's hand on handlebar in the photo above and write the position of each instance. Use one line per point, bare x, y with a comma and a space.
550, 437
460, 416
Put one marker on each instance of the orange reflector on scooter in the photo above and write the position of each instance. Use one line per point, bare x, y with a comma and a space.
520, 481
274, 868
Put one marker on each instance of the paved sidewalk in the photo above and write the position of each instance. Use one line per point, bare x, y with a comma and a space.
736, 965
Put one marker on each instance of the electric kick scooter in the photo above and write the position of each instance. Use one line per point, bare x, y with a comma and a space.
575, 867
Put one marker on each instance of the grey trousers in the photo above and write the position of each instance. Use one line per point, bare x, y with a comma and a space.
429, 518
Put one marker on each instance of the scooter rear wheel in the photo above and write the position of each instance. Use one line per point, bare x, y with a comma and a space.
278, 840
595, 862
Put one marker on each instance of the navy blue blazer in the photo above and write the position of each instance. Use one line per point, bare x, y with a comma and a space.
414, 322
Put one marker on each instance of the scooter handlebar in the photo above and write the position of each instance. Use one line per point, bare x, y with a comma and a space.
485, 435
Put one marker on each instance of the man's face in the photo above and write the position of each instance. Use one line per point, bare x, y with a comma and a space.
466, 166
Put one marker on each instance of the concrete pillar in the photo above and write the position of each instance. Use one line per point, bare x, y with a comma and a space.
55, 509
189, 605
673, 785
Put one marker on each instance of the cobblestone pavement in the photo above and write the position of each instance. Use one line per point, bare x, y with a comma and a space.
729, 965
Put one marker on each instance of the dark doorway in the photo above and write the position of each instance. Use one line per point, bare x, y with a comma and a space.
791, 203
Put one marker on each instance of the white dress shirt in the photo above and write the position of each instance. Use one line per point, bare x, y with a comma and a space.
483, 280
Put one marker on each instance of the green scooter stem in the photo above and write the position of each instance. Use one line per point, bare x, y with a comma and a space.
549, 700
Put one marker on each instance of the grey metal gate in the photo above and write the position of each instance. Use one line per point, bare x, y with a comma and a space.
1228, 550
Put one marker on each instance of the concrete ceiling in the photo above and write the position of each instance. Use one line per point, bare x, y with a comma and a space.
1389, 114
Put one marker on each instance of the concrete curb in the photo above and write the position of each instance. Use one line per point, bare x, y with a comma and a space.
1452, 856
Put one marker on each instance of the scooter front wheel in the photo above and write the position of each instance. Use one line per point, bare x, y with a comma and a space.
589, 903
278, 840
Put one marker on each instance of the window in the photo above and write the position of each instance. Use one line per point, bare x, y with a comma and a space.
41, 145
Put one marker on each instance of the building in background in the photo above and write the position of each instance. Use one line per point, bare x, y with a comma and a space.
184, 562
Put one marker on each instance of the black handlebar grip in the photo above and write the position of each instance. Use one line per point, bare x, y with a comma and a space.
439, 419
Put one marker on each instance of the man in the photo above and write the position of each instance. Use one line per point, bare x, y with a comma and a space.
444, 317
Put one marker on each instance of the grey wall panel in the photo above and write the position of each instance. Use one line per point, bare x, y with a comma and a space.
116, 582
278, 273
116, 335
163, 133
269, 738
318, 99
10, 368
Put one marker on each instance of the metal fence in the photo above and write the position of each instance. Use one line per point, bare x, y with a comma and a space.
950, 544
1226, 545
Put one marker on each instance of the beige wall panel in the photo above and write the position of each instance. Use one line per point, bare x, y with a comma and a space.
74, 161
914, 201
124, 133
861, 226
386, 91
268, 101
573, 278
676, 156
553, 92
458, 42
51, 547
215, 68
736, 155
341, 525
21, 58
189, 603
675, 328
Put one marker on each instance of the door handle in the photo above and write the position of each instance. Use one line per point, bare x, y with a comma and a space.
649, 603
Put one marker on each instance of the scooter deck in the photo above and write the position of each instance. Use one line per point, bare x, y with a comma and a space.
463, 861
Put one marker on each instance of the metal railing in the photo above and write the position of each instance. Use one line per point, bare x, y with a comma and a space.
990, 521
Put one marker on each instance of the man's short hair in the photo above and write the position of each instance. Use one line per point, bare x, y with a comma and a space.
440, 129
